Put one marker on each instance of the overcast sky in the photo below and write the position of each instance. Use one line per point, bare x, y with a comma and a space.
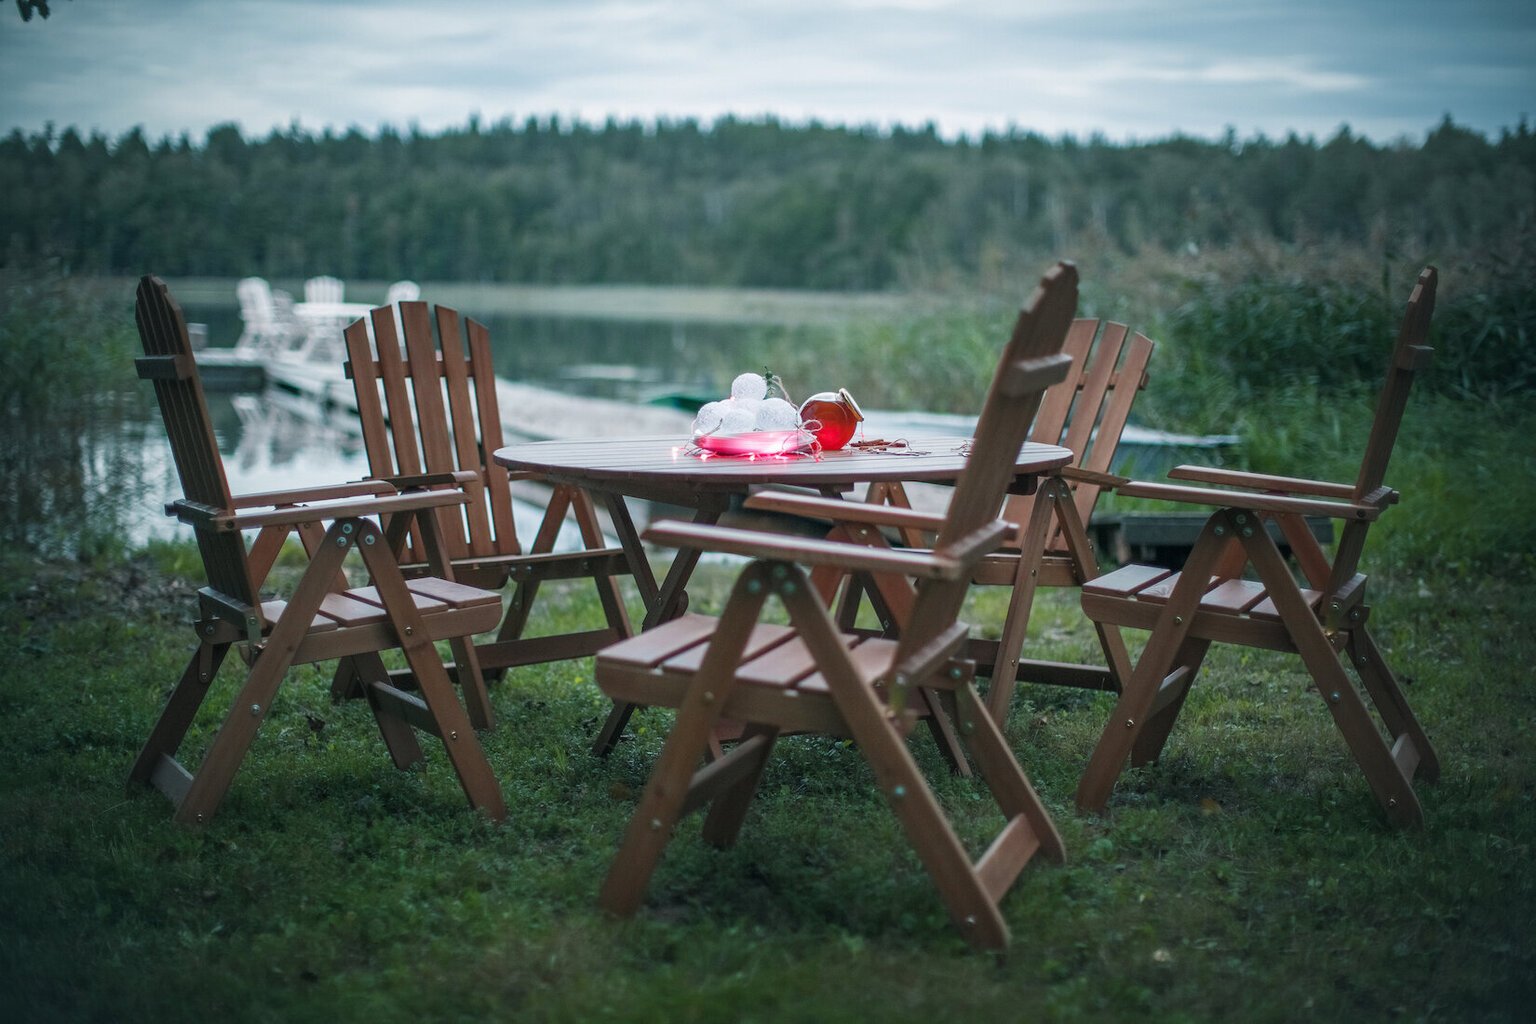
1128, 69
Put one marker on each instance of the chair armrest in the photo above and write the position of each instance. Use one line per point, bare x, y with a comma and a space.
301, 495
1253, 502
296, 515
1077, 474
851, 557
413, 481
1262, 481
838, 510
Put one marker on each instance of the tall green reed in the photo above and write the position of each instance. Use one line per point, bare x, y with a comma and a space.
65, 380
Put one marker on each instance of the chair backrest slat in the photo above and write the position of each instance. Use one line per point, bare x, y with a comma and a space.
1088, 411
427, 389
1097, 376
463, 427
364, 370
1039, 332
1411, 352
391, 369
1057, 404
1114, 410
194, 446
442, 413
498, 482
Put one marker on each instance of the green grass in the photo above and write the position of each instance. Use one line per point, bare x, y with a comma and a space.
1248, 876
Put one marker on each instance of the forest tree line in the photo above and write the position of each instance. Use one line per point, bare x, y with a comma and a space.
759, 203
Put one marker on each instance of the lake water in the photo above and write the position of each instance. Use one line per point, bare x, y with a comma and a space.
101, 470
634, 360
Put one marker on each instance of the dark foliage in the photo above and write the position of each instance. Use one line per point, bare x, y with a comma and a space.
759, 203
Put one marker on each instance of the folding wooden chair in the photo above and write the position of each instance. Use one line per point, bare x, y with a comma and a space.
1086, 413
810, 676
322, 620
1324, 622
431, 418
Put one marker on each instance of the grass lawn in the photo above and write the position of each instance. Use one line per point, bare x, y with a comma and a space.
1249, 876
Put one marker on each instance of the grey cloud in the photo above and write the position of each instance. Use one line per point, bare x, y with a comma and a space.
1121, 67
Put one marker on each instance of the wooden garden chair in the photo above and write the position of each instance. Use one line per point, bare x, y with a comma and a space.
811, 676
1325, 622
1087, 413
322, 619
430, 417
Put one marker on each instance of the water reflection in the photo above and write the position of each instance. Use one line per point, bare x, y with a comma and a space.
63, 487
99, 476
632, 360
102, 473
98, 471
635, 361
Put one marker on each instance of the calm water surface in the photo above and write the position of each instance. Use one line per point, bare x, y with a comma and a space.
100, 471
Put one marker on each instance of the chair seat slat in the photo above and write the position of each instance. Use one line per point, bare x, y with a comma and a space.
765, 637
654, 646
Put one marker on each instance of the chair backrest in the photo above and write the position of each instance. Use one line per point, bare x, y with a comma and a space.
168, 362
1088, 411
324, 289
1011, 403
433, 409
1411, 353
255, 297
402, 291
258, 311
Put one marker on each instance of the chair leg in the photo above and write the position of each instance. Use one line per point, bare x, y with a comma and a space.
458, 736
467, 663
399, 738
723, 822
1140, 694
1391, 703
661, 805
212, 779
1086, 565
1392, 787
180, 709
1154, 735
613, 728
518, 609
942, 728
524, 593
466, 669
849, 600
970, 906
1010, 645
1000, 770
346, 684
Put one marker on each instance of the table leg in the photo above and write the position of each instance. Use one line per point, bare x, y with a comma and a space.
672, 600
634, 549
662, 603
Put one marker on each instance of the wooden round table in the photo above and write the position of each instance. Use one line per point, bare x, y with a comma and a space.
670, 470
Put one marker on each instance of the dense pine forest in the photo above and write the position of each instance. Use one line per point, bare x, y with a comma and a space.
735, 202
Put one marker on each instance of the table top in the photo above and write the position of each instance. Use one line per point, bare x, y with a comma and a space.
639, 466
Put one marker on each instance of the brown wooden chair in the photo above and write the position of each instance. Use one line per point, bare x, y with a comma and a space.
322, 619
810, 676
430, 417
1087, 413
1324, 622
